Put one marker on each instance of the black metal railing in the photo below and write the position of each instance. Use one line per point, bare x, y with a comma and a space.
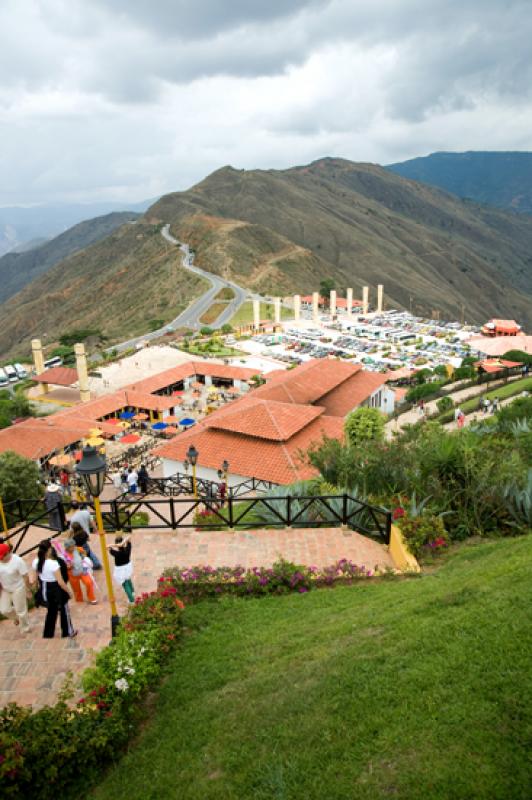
175, 513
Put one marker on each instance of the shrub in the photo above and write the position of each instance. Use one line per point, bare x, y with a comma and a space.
199, 582
445, 404
364, 425
423, 534
206, 331
423, 390
60, 749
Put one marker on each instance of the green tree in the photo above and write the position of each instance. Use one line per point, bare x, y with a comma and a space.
364, 425
19, 479
226, 328
206, 331
326, 287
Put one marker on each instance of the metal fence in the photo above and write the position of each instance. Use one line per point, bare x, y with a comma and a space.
176, 513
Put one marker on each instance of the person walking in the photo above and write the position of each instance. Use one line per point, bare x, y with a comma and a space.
53, 575
53, 501
15, 587
64, 480
132, 480
143, 478
123, 571
78, 573
116, 478
82, 516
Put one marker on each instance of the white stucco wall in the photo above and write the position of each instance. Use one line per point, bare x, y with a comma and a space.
170, 468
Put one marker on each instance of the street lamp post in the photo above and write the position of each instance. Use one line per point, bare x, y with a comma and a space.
91, 470
192, 455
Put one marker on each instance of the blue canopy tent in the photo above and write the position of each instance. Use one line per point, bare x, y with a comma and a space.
127, 415
187, 422
159, 426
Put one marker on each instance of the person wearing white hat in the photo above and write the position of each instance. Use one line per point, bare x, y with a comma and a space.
53, 501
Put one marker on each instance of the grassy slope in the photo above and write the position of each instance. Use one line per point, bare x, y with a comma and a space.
18, 269
359, 224
116, 285
411, 689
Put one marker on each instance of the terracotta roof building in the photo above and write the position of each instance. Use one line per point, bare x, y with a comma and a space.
40, 438
501, 327
267, 433
57, 376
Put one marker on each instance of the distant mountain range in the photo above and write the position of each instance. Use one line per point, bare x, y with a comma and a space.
502, 179
20, 225
282, 231
19, 268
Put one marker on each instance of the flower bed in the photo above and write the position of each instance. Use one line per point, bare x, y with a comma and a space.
197, 583
60, 749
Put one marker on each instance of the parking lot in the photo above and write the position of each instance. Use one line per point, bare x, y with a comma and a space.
389, 341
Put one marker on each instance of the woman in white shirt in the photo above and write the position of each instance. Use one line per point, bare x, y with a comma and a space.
55, 591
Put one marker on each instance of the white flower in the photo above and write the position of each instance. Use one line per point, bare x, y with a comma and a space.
129, 670
122, 685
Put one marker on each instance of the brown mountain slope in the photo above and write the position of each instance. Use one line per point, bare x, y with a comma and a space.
116, 286
366, 225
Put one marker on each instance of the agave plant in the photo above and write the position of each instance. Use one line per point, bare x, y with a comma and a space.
519, 502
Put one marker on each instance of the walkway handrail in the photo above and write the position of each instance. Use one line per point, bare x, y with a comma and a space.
175, 513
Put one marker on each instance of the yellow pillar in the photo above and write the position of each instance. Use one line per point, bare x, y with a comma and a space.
106, 568
315, 306
297, 307
38, 362
332, 303
277, 310
365, 299
83, 375
380, 297
3, 516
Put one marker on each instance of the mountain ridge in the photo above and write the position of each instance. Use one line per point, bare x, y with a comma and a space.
499, 178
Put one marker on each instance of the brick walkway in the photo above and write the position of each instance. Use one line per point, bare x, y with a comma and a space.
33, 670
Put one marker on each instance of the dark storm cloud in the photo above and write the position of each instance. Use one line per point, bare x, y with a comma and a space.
104, 95
203, 18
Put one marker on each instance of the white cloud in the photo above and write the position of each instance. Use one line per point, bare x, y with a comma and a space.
123, 100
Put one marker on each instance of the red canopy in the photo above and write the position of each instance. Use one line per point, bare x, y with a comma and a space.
131, 438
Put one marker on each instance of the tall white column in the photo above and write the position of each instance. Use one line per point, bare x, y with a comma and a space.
277, 310
380, 295
315, 306
349, 301
365, 299
83, 376
332, 303
297, 307
256, 314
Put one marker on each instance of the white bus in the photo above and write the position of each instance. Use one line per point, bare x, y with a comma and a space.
21, 372
57, 361
11, 373
4, 380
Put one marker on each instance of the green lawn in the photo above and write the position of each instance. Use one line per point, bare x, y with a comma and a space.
502, 392
413, 689
244, 315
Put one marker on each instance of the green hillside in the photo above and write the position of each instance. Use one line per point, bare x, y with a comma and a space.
502, 179
115, 286
20, 268
417, 689
362, 225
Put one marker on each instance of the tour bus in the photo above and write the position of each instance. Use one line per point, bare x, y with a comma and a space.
57, 361
11, 373
4, 380
21, 372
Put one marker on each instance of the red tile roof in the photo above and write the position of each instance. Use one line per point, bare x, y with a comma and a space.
265, 419
351, 393
279, 462
191, 369
37, 438
57, 376
308, 382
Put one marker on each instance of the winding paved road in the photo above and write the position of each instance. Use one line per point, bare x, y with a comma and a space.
190, 317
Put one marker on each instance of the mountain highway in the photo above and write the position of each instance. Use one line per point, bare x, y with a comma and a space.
190, 317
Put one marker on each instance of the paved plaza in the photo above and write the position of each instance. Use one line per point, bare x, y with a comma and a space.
33, 669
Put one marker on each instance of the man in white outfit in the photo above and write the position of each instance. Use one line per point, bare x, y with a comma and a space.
15, 587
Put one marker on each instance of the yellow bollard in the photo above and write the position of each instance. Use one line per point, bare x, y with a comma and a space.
3, 516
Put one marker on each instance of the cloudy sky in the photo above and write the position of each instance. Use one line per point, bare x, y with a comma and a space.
127, 99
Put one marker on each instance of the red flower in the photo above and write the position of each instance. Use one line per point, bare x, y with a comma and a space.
398, 512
